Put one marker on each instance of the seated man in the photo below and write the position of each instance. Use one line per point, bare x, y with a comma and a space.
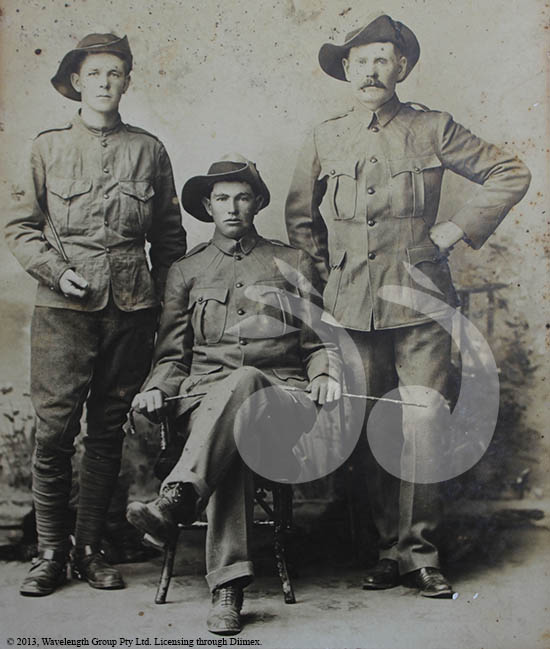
231, 347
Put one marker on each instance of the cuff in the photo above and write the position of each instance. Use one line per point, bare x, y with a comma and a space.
229, 573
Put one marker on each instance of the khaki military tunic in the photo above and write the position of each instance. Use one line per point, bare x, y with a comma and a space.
365, 194
108, 192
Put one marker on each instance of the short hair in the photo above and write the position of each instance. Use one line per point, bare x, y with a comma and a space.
82, 56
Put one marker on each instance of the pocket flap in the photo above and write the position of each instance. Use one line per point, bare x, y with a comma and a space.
416, 164
338, 168
203, 368
68, 187
205, 293
424, 253
337, 260
286, 373
140, 189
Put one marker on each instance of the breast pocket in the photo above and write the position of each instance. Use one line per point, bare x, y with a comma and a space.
341, 191
269, 312
210, 314
136, 206
69, 203
409, 180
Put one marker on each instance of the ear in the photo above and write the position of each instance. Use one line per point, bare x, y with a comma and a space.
207, 205
259, 202
126, 83
403, 70
345, 65
75, 81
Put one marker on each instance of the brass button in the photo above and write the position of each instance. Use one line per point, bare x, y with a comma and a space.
240, 311
371, 222
104, 143
105, 196
243, 341
372, 255
239, 285
374, 129
105, 171
199, 299
374, 160
107, 250
106, 222
417, 170
370, 190
332, 172
238, 257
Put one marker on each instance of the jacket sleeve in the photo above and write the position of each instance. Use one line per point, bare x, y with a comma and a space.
304, 223
503, 178
166, 236
320, 352
26, 229
174, 346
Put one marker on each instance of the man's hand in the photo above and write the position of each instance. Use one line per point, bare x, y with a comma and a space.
445, 235
150, 404
72, 284
324, 389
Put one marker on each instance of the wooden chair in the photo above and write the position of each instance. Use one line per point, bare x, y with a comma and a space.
279, 513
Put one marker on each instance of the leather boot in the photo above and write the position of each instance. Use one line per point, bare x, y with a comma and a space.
159, 519
48, 571
90, 565
385, 574
224, 617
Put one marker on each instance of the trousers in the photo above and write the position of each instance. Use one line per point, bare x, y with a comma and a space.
100, 359
244, 415
406, 514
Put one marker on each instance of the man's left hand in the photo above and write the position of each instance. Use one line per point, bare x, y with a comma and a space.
324, 389
445, 235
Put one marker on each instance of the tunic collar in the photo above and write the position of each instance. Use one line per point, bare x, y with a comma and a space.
231, 246
382, 116
97, 131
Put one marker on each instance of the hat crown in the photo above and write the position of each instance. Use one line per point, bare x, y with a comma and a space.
386, 24
93, 40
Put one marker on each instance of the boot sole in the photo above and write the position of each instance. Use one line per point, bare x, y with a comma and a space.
115, 584
41, 593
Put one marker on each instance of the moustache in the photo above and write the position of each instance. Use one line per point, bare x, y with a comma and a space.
370, 83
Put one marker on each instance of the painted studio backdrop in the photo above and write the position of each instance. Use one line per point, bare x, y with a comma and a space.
215, 77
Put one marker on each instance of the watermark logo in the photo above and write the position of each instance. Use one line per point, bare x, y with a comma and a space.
412, 431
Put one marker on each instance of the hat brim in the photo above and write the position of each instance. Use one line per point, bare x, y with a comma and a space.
331, 55
199, 187
61, 81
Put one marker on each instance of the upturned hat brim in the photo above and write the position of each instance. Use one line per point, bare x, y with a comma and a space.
91, 44
199, 187
382, 29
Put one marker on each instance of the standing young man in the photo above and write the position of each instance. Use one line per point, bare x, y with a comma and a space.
98, 189
363, 202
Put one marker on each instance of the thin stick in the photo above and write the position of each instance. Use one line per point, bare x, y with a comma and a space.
364, 396
293, 389
185, 396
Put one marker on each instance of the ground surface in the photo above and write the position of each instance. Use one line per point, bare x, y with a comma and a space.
503, 600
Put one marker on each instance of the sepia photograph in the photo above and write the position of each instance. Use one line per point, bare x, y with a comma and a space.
274, 324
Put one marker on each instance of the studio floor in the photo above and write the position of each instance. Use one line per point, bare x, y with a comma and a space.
502, 599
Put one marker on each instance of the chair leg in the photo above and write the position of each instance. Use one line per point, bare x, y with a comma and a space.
282, 509
167, 569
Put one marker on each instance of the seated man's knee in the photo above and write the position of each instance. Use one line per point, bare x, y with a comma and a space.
249, 377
